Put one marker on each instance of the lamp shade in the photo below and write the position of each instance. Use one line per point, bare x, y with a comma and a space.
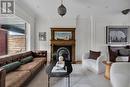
62, 10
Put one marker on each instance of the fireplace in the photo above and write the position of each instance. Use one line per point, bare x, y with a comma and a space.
63, 40
59, 50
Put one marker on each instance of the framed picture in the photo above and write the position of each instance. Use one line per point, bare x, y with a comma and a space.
60, 35
42, 36
117, 34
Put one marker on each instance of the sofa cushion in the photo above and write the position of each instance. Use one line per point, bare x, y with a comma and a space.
43, 59
124, 52
26, 60
32, 66
11, 66
94, 55
16, 78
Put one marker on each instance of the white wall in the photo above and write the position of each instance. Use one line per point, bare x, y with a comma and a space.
44, 25
29, 17
89, 17
100, 28
90, 31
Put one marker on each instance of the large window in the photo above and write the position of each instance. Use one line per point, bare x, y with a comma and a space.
12, 39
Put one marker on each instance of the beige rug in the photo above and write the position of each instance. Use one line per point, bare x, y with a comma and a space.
79, 78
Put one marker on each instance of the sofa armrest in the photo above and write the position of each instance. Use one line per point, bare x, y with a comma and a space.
2, 77
99, 65
101, 58
40, 54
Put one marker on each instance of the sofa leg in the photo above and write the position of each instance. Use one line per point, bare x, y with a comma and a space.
2, 77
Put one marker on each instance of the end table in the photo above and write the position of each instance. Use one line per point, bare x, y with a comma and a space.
107, 70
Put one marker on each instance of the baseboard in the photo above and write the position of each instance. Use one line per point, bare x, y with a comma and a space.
78, 62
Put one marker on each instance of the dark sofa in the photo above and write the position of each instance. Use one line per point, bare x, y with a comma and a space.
22, 75
114, 52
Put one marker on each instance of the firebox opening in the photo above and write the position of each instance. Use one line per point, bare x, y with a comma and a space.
59, 50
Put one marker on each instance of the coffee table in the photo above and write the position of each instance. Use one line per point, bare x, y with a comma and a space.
59, 74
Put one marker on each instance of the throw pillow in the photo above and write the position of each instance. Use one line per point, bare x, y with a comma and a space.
113, 56
26, 60
124, 52
127, 47
122, 59
94, 55
11, 66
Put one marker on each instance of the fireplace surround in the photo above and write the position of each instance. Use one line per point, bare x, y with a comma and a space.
60, 50
63, 39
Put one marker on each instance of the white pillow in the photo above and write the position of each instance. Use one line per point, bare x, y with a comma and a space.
122, 58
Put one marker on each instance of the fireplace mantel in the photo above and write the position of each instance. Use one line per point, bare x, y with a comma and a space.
61, 42
66, 38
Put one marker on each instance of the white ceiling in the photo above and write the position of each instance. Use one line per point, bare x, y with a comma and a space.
47, 8
7, 19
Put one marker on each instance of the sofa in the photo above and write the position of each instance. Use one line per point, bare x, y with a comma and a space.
119, 53
120, 74
20, 76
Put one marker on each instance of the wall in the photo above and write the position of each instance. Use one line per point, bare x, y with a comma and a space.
90, 31
90, 18
44, 25
29, 17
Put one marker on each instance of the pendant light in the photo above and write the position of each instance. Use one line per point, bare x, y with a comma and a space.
62, 9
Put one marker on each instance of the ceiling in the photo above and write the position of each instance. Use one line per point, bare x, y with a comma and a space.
48, 8
11, 20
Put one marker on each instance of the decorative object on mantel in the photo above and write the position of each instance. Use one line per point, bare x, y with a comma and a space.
117, 34
126, 11
62, 9
42, 36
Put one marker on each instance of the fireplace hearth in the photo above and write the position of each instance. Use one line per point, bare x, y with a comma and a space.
63, 40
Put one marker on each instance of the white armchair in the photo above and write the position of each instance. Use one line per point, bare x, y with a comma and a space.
94, 65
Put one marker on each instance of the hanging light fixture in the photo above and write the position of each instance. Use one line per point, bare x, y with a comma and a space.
62, 9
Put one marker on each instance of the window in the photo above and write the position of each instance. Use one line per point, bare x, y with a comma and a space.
12, 39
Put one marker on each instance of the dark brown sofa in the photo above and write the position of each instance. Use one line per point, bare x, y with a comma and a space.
114, 52
23, 74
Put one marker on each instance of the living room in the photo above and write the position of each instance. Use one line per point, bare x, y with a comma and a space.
88, 24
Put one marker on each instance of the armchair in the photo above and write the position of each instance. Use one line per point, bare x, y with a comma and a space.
94, 65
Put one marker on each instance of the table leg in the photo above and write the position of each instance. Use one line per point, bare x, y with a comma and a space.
48, 81
68, 80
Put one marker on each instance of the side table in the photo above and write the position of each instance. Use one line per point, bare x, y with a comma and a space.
107, 70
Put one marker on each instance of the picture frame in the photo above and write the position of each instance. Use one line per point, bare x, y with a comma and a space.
42, 36
116, 34
63, 35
